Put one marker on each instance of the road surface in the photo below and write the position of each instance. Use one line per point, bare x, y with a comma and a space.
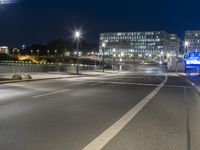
124, 111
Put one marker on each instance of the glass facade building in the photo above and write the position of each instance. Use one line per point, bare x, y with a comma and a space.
152, 43
193, 39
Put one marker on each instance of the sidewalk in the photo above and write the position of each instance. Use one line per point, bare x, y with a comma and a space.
194, 79
7, 78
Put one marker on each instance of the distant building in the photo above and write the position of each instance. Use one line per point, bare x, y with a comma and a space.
4, 49
193, 39
143, 43
174, 44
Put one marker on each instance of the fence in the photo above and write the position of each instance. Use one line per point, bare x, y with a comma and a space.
29, 67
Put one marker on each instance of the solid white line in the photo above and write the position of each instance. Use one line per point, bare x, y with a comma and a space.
194, 85
46, 94
94, 84
126, 83
99, 142
140, 84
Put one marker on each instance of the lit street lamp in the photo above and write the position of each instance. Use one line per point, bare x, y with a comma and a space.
186, 51
31, 52
113, 58
186, 46
18, 52
56, 53
77, 36
48, 52
38, 52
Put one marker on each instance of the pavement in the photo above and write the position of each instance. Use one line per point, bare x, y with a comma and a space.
7, 77
194, 79
118, 111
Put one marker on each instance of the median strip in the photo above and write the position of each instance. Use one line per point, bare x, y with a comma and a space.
99, 142
52, 93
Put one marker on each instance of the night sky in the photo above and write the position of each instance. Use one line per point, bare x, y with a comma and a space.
40, 21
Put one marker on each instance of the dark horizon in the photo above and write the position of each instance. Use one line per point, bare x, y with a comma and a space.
40, 22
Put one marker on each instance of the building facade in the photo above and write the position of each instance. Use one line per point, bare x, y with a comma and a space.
142, 43
4, 50
193, 39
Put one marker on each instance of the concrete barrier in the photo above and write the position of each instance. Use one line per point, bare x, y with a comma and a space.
16, 77
21, 77
26, 77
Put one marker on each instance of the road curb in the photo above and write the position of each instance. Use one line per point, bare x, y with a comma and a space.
18, 81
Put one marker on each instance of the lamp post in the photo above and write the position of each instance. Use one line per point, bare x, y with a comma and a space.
186, 51
186, 46
77, 36
56, 52
38, 52
31, 52
113, 58
18, 52
103, 51
48, 53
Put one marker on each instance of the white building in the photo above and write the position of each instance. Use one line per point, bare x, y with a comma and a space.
4, 50
193, 39
150, 42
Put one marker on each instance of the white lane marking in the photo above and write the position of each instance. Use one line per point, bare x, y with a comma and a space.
94, 84
29, 83
46, 94
99, 142
139, 84
194, 85
126, 83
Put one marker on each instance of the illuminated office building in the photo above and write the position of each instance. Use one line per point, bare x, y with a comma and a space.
143, 43
193, 39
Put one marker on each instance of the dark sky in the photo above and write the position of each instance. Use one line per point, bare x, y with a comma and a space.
39, 21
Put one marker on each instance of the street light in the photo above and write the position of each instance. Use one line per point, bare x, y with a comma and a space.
38, 52
77, 36
186, 50
48, 52
56, 51
31, 52
113, 58
103, 50
186, 46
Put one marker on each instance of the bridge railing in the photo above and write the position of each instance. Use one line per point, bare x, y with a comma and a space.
12, 67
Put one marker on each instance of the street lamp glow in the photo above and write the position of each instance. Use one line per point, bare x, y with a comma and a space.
77, 34
114, 50
104, 45
186, 43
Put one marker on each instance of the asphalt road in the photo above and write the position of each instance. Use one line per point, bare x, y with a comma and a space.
125, 111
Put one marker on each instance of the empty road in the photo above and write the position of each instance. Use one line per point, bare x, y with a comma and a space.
125, 111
